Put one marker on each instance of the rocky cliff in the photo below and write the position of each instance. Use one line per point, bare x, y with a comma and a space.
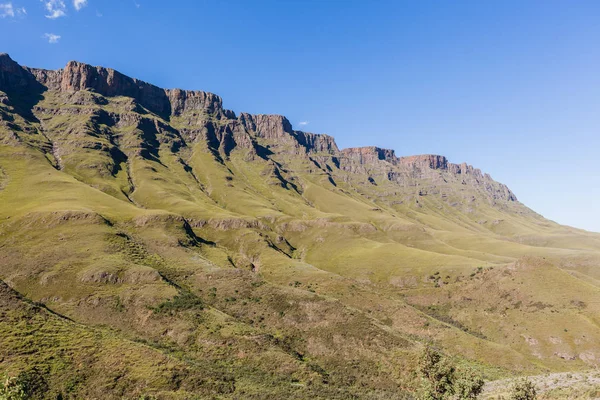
201, 116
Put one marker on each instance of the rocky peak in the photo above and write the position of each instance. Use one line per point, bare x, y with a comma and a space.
267, 126
316, 142
77, 76
431, 161
13, 77
183, 101
7, 63
279, 129
436, 162
370, 154
465, 169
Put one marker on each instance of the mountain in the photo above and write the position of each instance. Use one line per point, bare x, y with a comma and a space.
154, 243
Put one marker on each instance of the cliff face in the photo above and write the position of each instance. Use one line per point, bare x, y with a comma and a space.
182, 101
279, 129
425, 161
274, 127
317, 142
108, 82
436, 169
13, 77
369, 155
201, 116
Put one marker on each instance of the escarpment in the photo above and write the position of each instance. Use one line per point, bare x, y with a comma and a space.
257, 258
185, 117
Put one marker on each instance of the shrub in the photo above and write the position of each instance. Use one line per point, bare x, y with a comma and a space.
523, 390
437, 374
12, 389
469, 385
181, 302
442, 380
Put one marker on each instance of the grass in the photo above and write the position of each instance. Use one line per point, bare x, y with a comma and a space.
218, 278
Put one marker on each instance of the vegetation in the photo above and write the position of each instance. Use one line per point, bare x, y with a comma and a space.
523, 390
181, 302
468, 385
184, 256
12, 388
441, 379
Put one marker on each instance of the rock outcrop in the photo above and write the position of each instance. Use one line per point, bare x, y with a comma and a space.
279, 129
318, 143
183, 101
13, 77
78, 76
370, 154
424, 161
273, 127
201, 116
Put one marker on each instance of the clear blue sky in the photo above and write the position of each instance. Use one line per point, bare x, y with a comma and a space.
512, 87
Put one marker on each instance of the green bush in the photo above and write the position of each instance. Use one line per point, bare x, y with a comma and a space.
523, 390
437, 375
468, 385
441, 379
181, 302
12, 389
28, 384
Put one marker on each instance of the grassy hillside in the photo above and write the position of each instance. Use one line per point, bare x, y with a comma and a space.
196, 253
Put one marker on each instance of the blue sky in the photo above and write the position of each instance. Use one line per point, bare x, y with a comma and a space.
512, 87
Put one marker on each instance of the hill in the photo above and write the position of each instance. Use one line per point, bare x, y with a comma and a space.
229, 255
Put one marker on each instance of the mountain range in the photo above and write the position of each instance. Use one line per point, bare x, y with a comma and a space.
154, 243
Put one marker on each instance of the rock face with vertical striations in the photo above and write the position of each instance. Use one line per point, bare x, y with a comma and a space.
183, 101
369, 155
273, 127
13, 77
424, 161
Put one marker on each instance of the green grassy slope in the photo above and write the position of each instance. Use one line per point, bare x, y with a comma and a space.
245, 261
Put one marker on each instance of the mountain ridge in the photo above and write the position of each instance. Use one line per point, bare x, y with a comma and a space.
253, 260
77, 76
